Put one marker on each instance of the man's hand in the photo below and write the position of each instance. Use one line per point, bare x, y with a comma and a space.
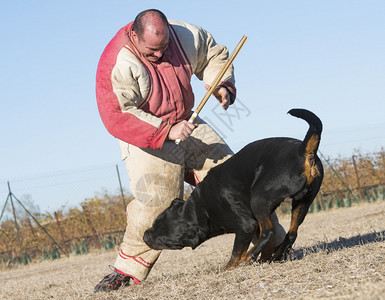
181, 130
222, 94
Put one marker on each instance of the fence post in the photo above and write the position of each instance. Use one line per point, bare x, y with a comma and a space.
37, 222
14, 217
121, 188
2, 212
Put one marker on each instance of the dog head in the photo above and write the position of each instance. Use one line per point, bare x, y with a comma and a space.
175, 228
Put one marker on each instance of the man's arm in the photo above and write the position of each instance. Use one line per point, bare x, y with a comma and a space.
211, 58
205, 57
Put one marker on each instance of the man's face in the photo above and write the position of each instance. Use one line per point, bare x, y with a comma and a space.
153, 43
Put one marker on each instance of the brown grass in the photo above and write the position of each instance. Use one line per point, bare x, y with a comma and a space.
340, 254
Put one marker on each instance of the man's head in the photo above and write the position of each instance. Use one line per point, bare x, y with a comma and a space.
150, 34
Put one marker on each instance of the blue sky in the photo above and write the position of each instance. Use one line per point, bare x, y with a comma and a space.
326, 56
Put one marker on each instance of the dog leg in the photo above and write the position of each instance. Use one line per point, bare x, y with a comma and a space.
266, 252
241, 244
299, 211
267, 232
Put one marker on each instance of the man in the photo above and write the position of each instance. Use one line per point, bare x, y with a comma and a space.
145, 98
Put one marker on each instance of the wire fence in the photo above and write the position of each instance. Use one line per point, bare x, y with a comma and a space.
67, 188
69, 212
63, 212
349, 181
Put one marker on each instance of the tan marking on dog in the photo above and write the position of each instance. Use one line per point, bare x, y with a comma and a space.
240, 257
310, 169
294, 222
312, 144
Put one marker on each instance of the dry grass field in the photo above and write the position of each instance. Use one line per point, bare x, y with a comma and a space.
339, 254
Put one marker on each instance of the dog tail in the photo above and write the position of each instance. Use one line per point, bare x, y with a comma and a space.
312, 139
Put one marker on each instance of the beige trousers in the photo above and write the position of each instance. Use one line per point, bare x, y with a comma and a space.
157, 178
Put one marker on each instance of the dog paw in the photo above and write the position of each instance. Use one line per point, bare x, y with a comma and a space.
280, 256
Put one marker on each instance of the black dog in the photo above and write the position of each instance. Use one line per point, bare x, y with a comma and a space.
239, 196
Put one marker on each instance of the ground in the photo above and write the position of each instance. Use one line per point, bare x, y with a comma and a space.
339, 254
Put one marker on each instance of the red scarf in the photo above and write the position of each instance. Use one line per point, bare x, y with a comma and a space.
171, 97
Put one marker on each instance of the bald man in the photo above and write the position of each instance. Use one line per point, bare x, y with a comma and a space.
144, 96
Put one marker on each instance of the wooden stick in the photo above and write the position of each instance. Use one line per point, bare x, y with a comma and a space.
216, 81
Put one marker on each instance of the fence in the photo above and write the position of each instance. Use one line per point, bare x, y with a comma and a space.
348, 181
84, 208
66, 188
69, 199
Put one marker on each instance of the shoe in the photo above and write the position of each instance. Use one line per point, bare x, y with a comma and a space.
112, 281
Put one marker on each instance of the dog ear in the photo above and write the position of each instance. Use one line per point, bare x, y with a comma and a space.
194, 235
170, 214
177, 227
177, 202
162, 233
195, 226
